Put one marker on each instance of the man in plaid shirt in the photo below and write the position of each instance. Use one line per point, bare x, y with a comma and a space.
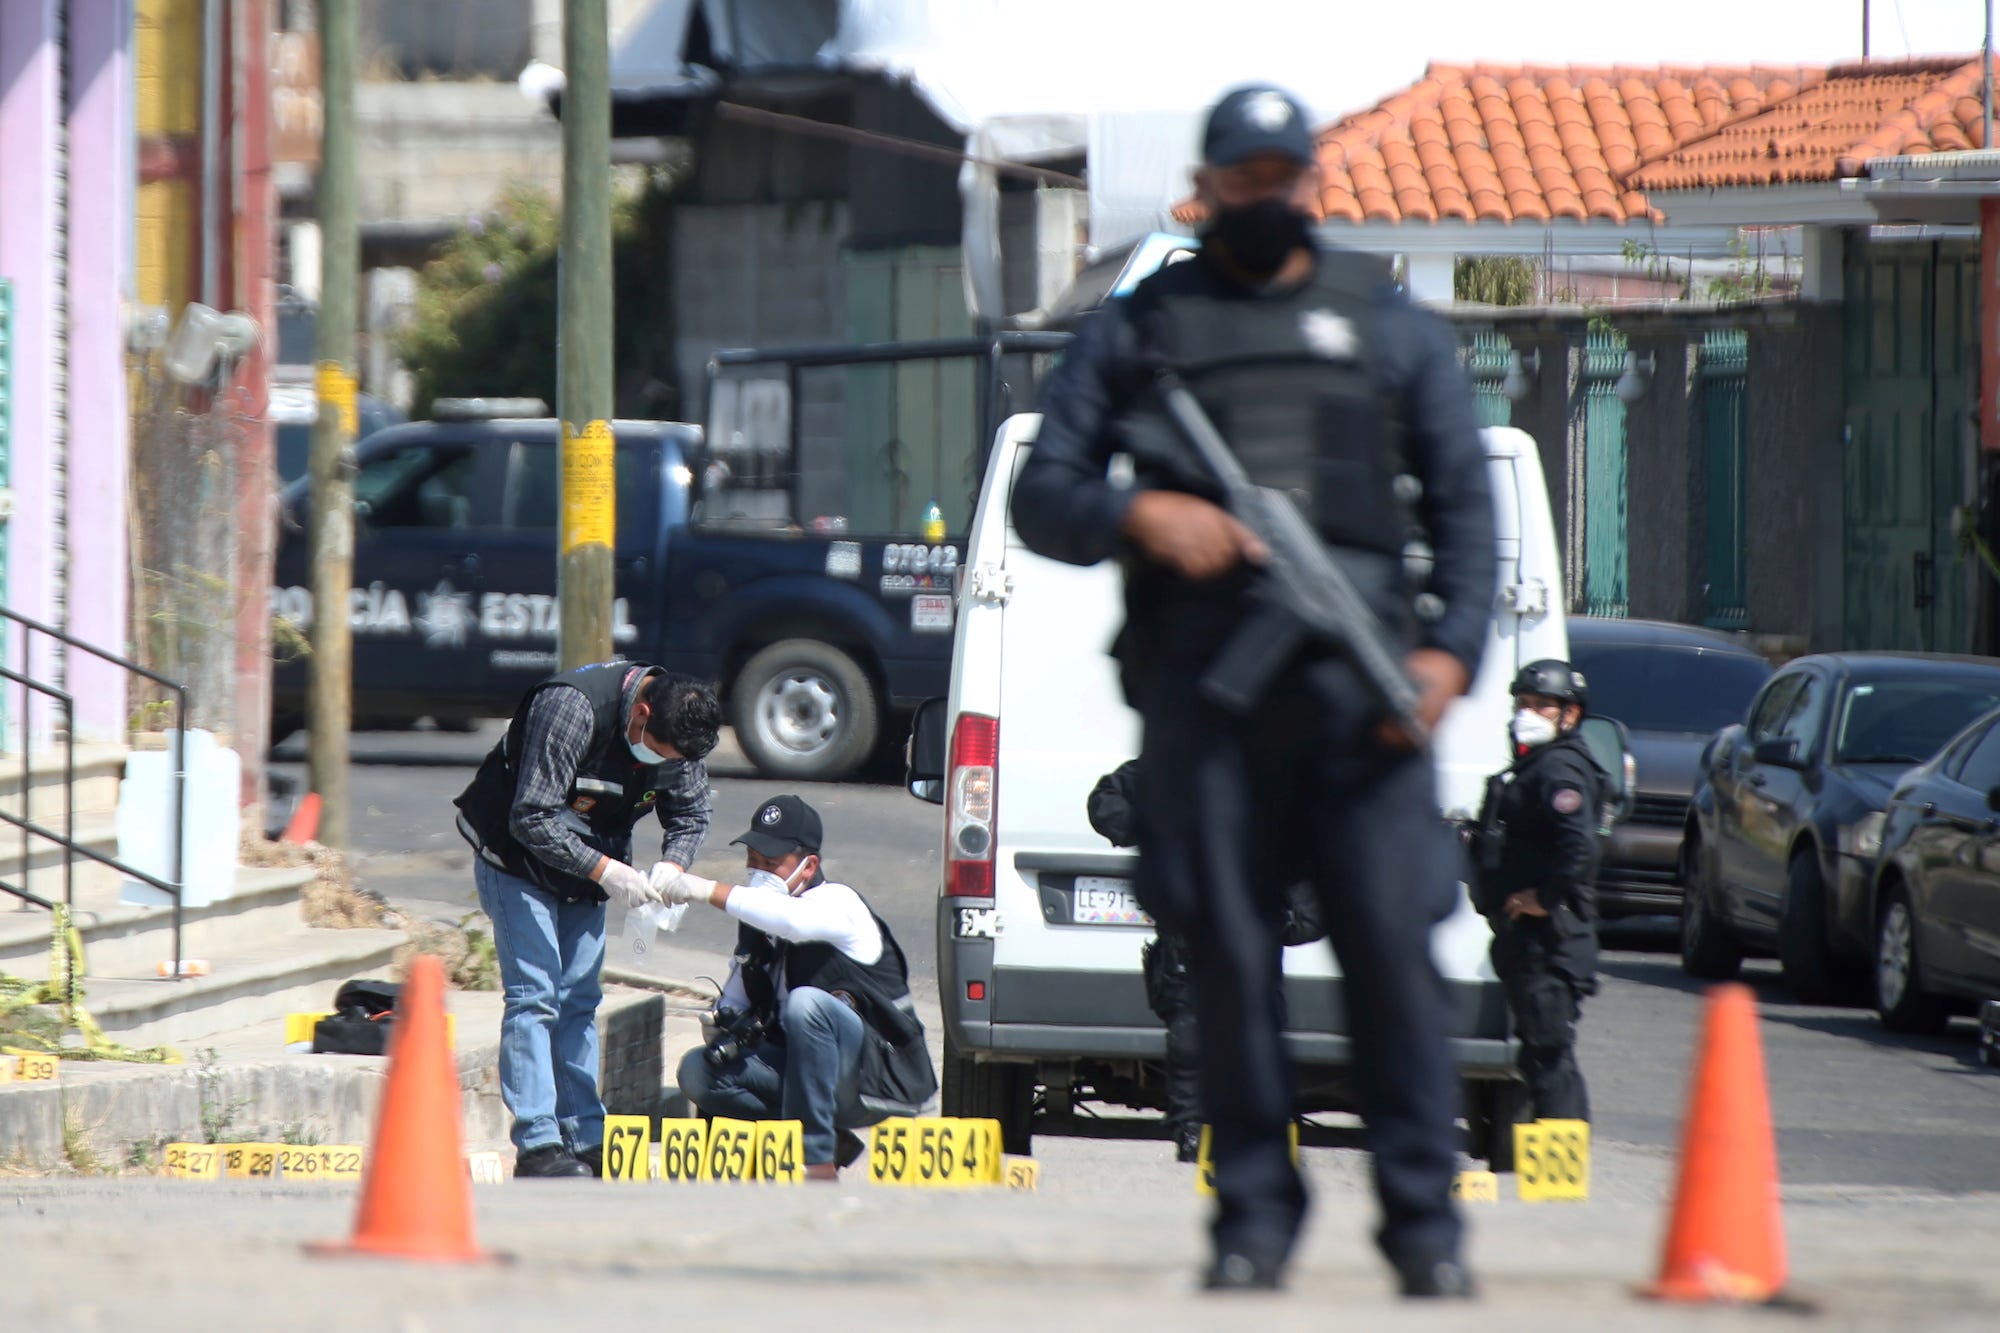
551, 814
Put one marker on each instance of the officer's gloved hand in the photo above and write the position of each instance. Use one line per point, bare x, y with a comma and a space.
687, 888
625, 886
663, 874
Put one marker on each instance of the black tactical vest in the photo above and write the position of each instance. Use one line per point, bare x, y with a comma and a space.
1288, 381
896, 1075
612, 791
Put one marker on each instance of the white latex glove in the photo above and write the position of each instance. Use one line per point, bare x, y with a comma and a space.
663, 874
688, 888
625, 886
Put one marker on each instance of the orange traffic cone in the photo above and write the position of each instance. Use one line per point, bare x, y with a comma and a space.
1727, 1240
416, 1199
304, 822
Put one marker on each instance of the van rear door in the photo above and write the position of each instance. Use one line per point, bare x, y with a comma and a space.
1067, 952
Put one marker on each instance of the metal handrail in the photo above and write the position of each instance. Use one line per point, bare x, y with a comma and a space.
30, 687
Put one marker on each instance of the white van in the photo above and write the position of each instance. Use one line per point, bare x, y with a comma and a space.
1038, 931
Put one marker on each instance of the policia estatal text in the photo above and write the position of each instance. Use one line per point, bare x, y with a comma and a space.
1329, 385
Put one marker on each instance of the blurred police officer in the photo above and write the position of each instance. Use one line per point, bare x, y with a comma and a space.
1166, 962
1328, 384
1542, 816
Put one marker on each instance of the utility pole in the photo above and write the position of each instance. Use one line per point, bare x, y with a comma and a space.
583, 338
1864, 29
329, 707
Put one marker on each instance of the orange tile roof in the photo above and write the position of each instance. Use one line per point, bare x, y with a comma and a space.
1831, 129
1505, 143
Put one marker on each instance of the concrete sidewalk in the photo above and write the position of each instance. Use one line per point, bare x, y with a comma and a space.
1084, 1251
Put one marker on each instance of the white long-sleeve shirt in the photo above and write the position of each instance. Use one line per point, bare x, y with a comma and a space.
828, 912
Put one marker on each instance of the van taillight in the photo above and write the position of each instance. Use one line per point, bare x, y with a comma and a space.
969, 801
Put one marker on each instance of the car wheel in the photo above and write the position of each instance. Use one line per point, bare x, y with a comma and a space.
803, 709
1899, 995
1804, 952
1708, 950
990, 1090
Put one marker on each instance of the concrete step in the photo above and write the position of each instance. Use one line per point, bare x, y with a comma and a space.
92, 881
99, 769
297, 970
123, 940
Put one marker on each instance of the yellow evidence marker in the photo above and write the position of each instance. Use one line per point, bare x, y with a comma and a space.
1476, 1187
341, 1162
728, 1156
250, 1161
194, 1161
34, 1066
1204, 1165
628, 1147
1552, 1160
1023, 1173
780, 1149
681, 1149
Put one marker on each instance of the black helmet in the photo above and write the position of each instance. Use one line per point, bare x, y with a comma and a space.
1553, 679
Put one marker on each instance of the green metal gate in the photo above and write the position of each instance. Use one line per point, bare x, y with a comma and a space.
1487, 356
1911, 357
1601, 581
1722, 375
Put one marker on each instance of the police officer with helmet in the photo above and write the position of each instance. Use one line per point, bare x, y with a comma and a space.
1539, 848
1331, 386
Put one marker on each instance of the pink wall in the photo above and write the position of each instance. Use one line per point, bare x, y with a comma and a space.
28, 88
102, 188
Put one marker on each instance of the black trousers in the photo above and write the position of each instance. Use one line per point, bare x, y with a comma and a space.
1233, 810
1547, 964
1170, 994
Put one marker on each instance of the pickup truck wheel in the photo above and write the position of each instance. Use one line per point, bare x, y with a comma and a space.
1708, 950
1804, 950
990, 1091
803, 709
1899, 995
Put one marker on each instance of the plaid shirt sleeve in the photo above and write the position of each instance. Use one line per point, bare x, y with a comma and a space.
554, 742
684, 809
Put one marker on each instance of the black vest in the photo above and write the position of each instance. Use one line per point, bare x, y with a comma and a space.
896, 1074
611, 793
1287, 379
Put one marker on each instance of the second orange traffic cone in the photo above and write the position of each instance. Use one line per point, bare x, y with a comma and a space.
304, 823
416, 1199
1726, 1241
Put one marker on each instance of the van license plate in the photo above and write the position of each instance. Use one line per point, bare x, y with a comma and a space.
1099, 900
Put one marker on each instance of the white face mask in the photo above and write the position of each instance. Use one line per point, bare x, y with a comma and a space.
1531, 728
642, 754
764, 879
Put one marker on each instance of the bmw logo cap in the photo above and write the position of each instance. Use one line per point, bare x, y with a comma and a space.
781, 826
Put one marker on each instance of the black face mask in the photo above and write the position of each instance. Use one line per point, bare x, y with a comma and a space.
1259, 237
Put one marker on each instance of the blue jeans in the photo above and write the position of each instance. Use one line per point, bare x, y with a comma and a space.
809, 1076
550, 951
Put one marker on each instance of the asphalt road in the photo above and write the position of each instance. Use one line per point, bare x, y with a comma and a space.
1855, 1106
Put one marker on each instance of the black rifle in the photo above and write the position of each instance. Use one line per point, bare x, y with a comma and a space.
1304, 596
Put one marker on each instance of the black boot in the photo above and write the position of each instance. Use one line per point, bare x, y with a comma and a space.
551, 1161
1187, 1143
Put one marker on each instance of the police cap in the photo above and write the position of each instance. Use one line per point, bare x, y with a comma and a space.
1253, 120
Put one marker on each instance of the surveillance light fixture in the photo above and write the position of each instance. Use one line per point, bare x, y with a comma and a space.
204, 338
1638, 376
1521, 373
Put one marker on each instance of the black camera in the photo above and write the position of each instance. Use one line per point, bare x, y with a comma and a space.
737, 1031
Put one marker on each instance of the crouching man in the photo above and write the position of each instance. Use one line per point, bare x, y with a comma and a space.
815, 1022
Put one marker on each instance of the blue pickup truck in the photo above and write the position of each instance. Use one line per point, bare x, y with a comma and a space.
800, 550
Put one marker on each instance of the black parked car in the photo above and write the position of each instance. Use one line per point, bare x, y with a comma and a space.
1788, 814
1936, 904
1674, 687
